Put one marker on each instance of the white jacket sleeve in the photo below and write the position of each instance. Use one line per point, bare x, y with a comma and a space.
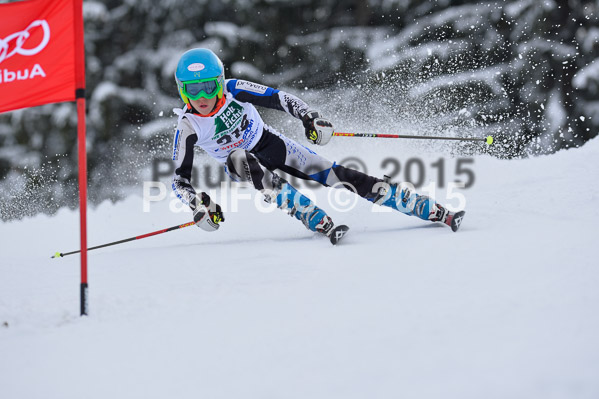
185, 139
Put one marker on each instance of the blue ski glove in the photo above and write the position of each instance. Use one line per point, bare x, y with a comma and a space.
207, 214
318, 130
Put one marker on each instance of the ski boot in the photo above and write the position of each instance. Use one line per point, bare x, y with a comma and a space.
404, 200
443, 215
302, 208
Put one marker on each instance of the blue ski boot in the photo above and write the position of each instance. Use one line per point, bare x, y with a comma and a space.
404, 200
303, 209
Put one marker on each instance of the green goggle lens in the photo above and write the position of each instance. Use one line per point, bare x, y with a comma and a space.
197, 89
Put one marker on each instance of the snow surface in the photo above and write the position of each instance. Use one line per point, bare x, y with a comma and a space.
506, 308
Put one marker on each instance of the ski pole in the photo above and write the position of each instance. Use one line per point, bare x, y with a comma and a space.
60, 254
488, 139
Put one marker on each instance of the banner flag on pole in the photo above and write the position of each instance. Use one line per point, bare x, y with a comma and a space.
37, 53
42, 61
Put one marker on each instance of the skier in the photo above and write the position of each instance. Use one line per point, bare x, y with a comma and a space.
220, 117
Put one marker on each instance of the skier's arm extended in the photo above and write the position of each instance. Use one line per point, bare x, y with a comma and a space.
267, 97
318, 130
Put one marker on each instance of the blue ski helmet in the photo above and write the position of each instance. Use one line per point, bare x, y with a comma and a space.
200, 73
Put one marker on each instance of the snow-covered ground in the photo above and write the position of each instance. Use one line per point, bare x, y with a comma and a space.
508, 307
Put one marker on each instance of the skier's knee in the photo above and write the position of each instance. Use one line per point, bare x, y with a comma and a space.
245, 167
239, 166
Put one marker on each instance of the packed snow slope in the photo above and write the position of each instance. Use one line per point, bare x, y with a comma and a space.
508, 307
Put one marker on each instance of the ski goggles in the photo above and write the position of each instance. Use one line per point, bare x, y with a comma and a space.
206, 88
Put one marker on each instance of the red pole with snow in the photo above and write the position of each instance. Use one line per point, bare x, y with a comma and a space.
82, 151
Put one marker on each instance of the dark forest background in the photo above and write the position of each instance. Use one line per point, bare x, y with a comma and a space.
522, 70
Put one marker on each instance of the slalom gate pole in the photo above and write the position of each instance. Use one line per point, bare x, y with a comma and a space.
488, 139
61, 254
82, 148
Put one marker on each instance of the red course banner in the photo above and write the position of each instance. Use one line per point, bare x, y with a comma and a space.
37, 53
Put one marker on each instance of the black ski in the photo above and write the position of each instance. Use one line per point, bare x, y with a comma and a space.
337, 233
456, 220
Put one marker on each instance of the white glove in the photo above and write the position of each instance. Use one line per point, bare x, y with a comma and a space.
318, 130
207, 215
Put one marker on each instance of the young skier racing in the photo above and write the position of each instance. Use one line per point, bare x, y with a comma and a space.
220, 117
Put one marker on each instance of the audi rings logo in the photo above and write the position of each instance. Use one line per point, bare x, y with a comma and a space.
18, 40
